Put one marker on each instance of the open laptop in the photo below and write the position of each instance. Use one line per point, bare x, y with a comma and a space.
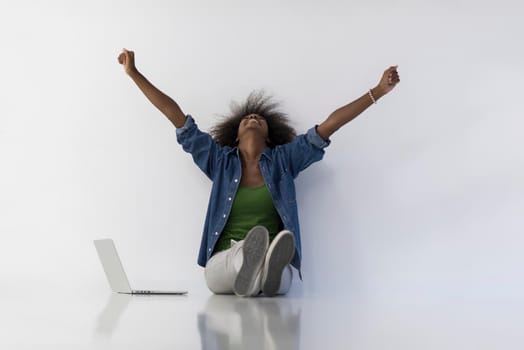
115, 271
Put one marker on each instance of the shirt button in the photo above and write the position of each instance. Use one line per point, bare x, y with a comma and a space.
236, 180
229, 199
216, 233
209, 249
224, 215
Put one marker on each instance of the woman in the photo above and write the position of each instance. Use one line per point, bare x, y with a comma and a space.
251, 234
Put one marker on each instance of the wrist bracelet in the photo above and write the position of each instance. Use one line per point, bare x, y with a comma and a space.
372, 98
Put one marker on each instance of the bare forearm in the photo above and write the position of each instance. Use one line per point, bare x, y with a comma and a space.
164, 103
347, 113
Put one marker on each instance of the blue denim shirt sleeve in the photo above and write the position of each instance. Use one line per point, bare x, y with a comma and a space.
315, 139
304, 150
204, 150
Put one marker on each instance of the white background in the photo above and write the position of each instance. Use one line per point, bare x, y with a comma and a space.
422, 196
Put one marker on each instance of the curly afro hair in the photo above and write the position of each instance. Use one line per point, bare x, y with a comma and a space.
258, 102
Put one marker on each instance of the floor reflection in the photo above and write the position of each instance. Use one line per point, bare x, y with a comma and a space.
230, 322
108, 318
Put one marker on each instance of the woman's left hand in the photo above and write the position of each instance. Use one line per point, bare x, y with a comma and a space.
389, 80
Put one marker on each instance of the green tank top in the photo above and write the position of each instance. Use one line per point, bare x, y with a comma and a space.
251, 207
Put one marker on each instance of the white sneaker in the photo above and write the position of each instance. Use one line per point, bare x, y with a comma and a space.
254, 251
279, 255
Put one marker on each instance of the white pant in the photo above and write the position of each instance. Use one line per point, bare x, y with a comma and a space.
222, 269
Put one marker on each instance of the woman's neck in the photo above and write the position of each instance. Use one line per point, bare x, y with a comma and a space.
251, 148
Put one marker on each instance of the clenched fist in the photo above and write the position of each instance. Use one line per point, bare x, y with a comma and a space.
389, 80
127, 59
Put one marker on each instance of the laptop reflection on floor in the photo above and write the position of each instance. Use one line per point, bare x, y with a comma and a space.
116, 274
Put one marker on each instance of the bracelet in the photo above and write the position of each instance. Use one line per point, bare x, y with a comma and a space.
372, 98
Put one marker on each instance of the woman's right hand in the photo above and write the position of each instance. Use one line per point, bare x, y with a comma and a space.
127, 59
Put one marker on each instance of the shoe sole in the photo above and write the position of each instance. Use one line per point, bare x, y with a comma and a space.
279, 258
254, 252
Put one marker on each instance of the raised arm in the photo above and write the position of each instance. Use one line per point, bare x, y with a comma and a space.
346, 113
164, 103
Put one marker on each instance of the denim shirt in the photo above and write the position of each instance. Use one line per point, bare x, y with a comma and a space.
279, 166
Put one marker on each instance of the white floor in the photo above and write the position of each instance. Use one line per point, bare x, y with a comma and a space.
63, 320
